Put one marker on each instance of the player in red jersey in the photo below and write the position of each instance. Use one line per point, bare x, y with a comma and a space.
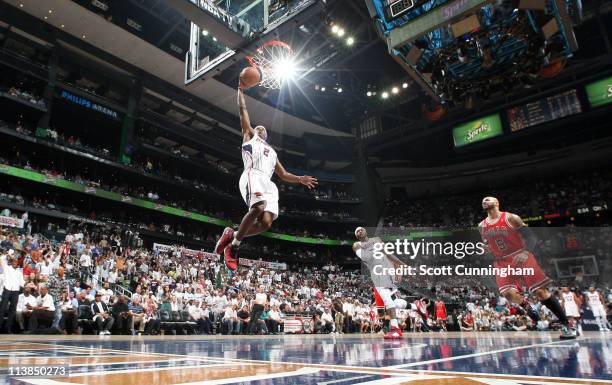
440, 308
510, 242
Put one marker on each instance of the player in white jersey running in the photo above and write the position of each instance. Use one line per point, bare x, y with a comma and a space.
571, 305
596, 303
258, 191
384, 284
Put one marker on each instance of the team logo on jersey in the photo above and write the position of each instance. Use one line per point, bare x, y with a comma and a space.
494, 231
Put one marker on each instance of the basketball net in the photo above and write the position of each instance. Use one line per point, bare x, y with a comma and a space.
269, 59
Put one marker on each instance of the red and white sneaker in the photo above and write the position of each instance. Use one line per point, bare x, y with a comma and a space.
224, 240
394, 334
231, 258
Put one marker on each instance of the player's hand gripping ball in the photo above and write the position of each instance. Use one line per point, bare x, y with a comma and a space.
249, 77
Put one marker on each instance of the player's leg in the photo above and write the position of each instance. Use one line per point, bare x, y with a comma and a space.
251, 191
389, 303
509, 285
263, 223
599, 314
248, 221
573, 316
537, 284
234, 238
550, 301
512, 294
265, 215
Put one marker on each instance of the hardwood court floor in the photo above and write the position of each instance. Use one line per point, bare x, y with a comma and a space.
420, 359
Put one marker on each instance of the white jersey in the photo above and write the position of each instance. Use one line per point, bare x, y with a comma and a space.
570, 305
371, 263
594, 299
259, 155
568, 298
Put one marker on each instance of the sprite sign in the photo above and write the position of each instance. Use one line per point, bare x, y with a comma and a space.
600, 92
471, 132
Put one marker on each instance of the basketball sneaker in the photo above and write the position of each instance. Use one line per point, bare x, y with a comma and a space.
567, 333
224, 240
394, 334
231, 258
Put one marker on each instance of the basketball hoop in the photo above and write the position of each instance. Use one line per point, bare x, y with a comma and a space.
271, 60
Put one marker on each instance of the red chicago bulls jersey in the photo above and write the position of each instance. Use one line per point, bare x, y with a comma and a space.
502, 238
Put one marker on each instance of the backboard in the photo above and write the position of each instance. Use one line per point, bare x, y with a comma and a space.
225, 31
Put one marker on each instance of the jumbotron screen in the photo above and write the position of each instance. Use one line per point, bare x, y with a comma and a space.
544, 110
477, 130
600, 92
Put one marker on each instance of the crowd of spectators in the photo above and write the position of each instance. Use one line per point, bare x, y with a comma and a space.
97, 265
27, 95
140, 223
526, 198
90, 178
104, 281
328, 194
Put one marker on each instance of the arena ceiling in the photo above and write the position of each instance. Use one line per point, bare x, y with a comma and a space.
132, 49
363, 66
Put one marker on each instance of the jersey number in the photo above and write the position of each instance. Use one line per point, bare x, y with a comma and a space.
266, 151
500, 243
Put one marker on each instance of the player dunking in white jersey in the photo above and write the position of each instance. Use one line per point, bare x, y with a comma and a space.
258, 191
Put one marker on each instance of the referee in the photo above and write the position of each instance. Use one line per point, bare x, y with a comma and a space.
13, 282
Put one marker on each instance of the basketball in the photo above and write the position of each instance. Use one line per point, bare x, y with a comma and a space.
249, 77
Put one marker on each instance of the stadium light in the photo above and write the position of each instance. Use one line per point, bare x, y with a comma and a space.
385, 95
369, 93
322, 89
405, 85
395, 90
286, 69
340, 90
335, 28
350, 41
341, 32
204, 32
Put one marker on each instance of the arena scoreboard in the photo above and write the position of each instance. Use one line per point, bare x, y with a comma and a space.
544, 110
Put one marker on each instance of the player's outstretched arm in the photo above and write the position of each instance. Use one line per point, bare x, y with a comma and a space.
245, 122
516, 221
288, 177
